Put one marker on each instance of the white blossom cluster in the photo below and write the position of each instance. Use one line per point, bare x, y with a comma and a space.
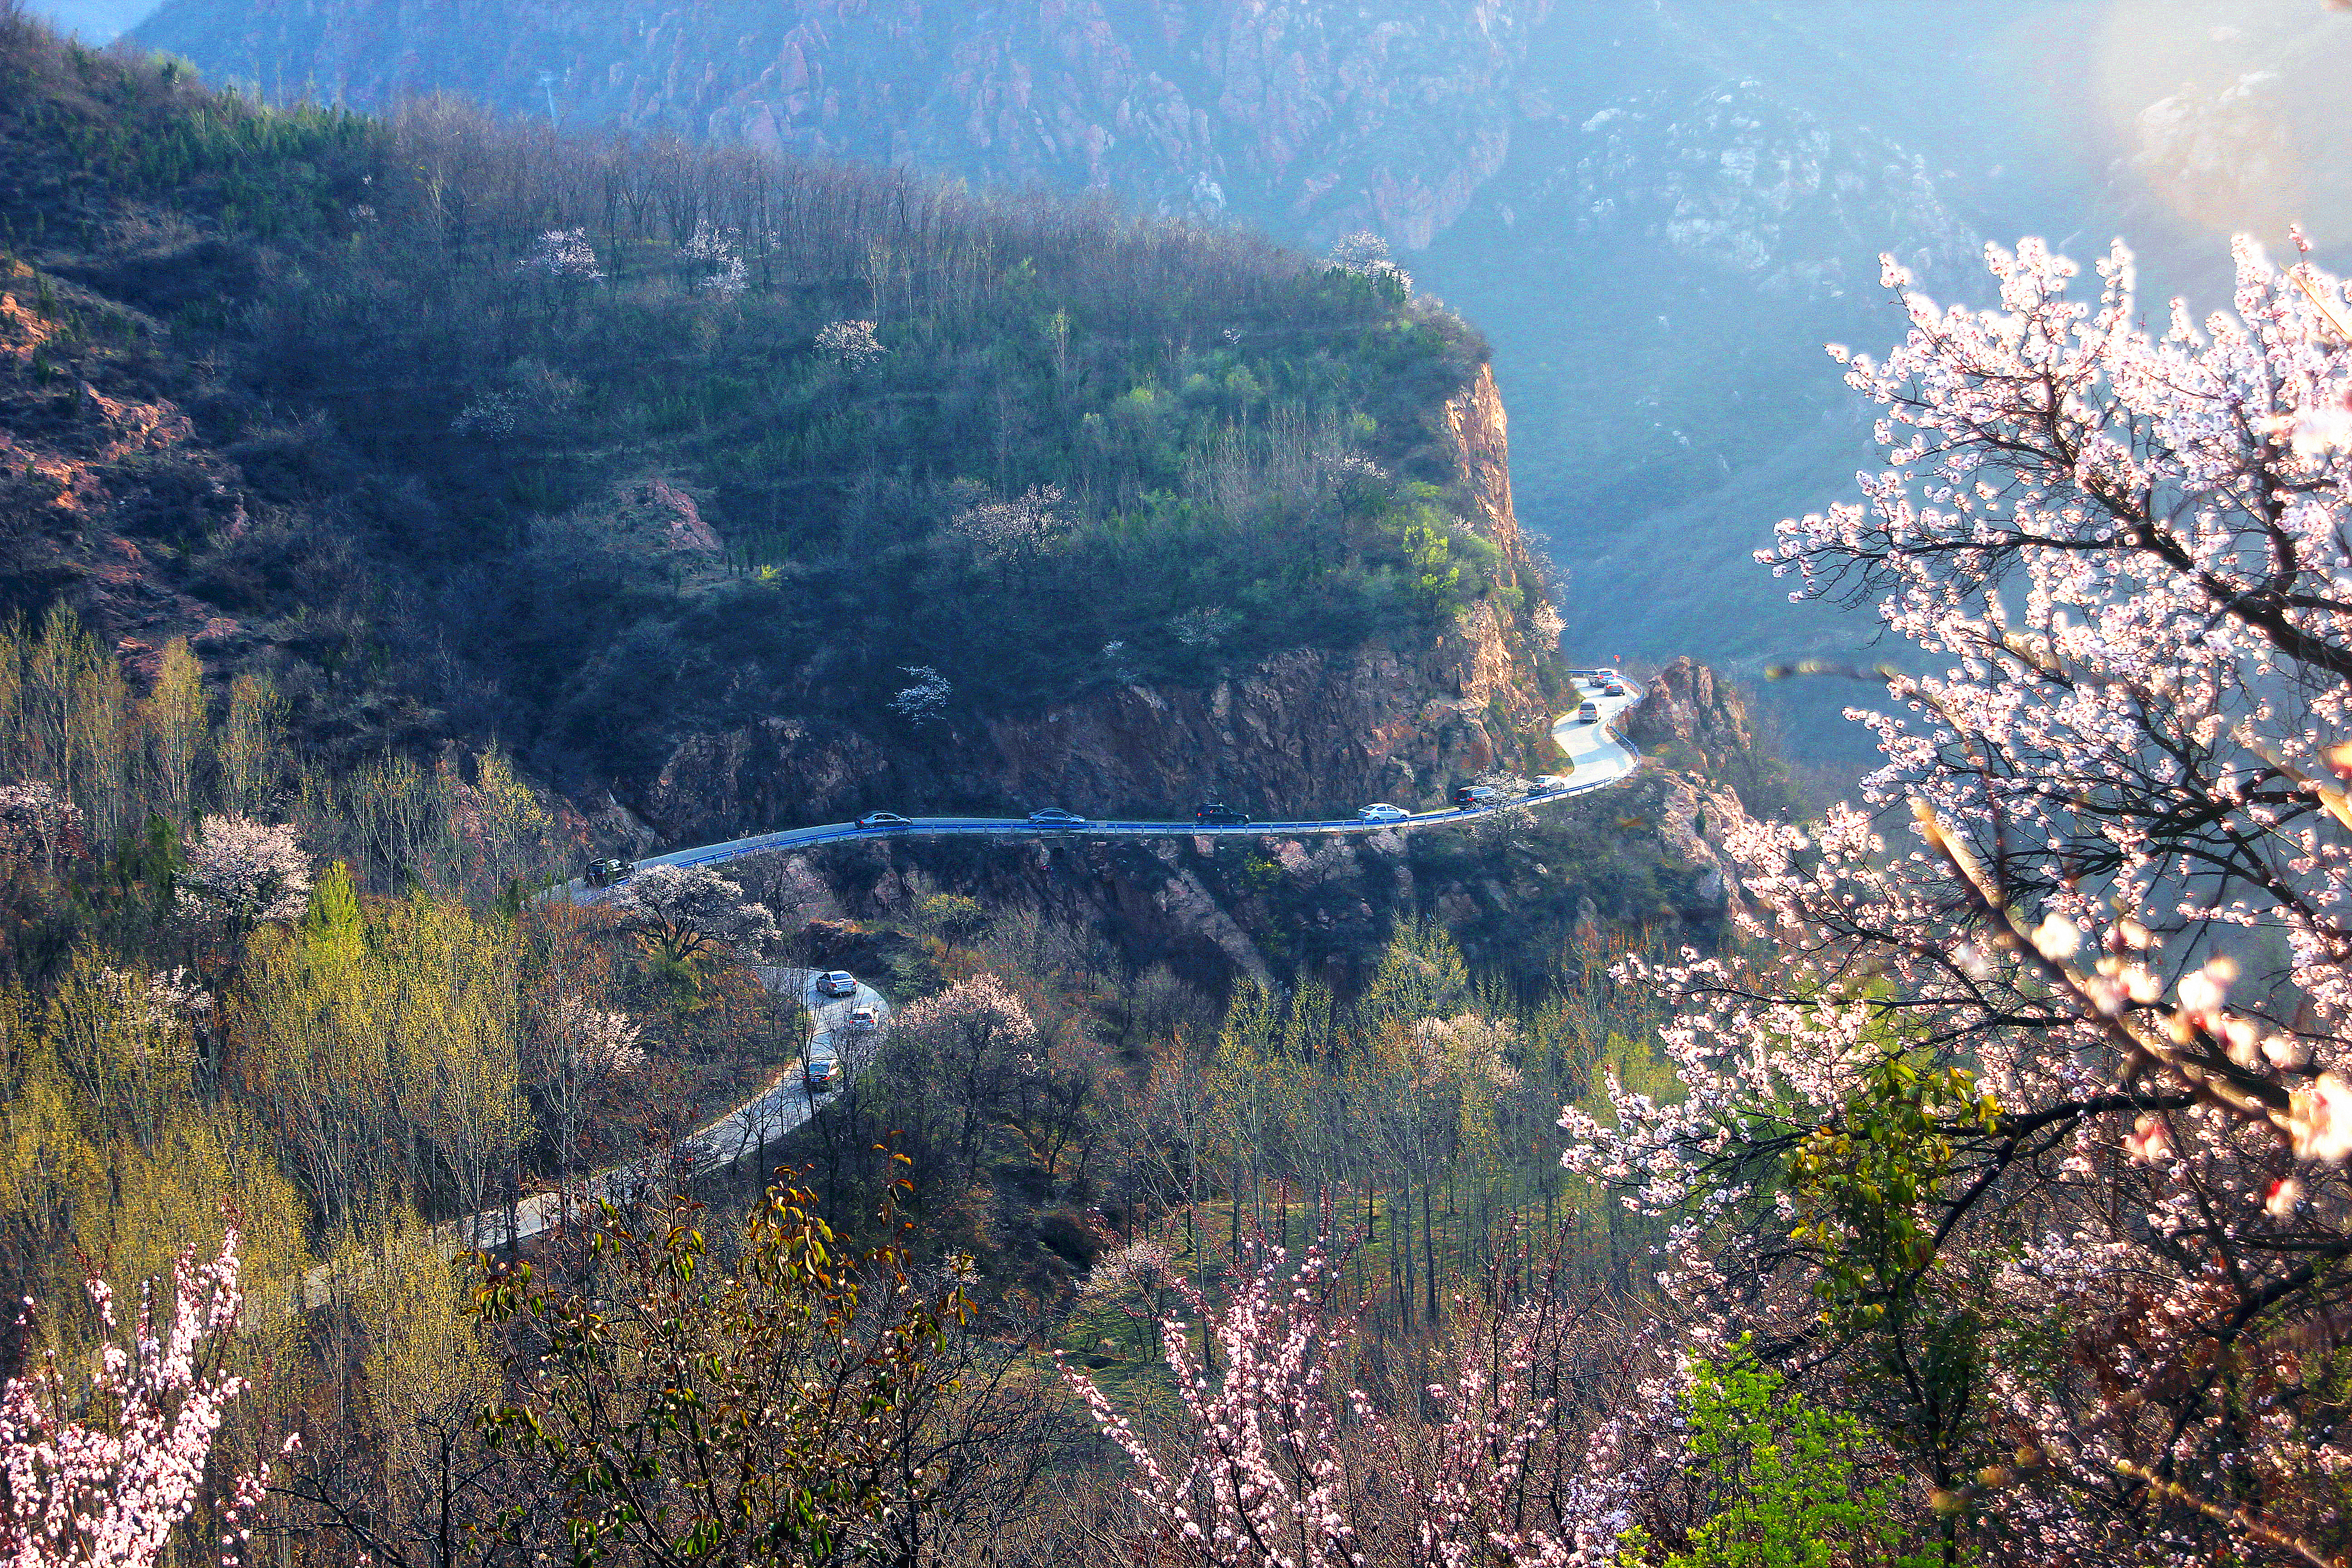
849, 345
925, 698
104, 1476
2116, 925
37, 820
1205, 627
243, 872
687, 910
1014, 531
596, 1041
565, 255
1366, 255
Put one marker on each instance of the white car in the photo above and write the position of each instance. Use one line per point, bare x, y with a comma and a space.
1382, 812
862, 1019
836, 982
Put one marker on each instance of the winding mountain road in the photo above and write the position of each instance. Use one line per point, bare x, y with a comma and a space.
1597, 756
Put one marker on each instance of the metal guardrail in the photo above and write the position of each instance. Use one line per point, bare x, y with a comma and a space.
1021, 827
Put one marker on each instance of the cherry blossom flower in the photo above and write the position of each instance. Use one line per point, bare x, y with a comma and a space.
2096, 898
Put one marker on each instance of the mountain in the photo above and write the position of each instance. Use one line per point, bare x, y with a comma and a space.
729, 492
1662, 209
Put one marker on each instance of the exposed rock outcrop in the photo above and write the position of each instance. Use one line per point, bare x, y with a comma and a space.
1300, 732
1481, 430
1650, 856
1686, 706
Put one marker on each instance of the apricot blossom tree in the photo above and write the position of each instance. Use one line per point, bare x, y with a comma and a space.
103, 1474
2032, 1116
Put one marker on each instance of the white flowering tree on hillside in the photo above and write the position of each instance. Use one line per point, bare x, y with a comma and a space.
2031, 1119
682, 910
1274, 1462
243, 872
849, 345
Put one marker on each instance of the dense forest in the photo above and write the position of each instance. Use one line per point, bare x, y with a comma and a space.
1974, 1191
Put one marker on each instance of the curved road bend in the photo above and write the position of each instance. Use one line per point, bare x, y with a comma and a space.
1597, 758
745, 1130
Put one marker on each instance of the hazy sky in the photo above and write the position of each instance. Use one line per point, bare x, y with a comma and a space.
97, 21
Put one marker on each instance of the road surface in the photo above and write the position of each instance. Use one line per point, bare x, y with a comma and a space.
1600, 760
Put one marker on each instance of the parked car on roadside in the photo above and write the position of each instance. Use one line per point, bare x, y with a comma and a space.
1380, 811
882, 819
820, 1067
836, 982
1054, 817
605, 873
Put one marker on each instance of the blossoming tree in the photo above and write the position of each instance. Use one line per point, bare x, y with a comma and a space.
2032, 1119
1275, 1463
680, 910
102, 1476
244, 872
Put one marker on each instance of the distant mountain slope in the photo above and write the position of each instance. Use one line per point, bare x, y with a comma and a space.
1661, 208
1318, 118
747, 488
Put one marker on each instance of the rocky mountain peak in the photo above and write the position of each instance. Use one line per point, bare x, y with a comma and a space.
1687, 705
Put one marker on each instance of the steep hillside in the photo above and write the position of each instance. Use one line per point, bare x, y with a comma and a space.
1667, 208
1643, 861
734, 489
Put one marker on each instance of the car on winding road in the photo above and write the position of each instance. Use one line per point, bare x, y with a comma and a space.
1054, 817
863, 1020
836, 982
1217, 814
882, 819
1475, 797
820, 1065
605, 873
1381, 811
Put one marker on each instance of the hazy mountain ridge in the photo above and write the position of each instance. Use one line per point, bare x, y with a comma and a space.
1319, 118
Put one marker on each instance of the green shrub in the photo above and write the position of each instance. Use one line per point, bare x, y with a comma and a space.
1784, 1481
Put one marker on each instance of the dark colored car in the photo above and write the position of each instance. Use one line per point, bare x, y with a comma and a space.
882, 819
836, 982
605, 873
1054, 817
822, 1066
1217, 814
1474, 797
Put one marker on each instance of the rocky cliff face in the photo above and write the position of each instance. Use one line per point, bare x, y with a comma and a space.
1647, 855
1302, 732
1687, 707
1320, 118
